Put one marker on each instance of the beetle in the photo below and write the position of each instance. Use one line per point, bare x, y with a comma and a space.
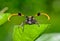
29, 19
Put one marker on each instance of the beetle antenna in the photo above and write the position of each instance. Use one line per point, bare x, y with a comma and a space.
46, 15
11, 16
19, 14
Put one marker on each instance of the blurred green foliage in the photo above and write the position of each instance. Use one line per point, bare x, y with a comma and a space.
30, 33
31, 7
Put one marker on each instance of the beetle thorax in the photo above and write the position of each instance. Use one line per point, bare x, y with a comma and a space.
30, 20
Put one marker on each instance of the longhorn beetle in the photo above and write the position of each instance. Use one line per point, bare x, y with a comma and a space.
29, 19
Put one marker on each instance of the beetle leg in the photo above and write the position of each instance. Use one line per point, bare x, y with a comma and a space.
22, 24
38, 24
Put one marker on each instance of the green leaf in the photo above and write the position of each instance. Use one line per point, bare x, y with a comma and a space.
49, 37
30, 33
3, 17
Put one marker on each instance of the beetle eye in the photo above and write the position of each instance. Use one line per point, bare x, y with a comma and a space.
32, 17
26, 16
19, 14
38, 14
